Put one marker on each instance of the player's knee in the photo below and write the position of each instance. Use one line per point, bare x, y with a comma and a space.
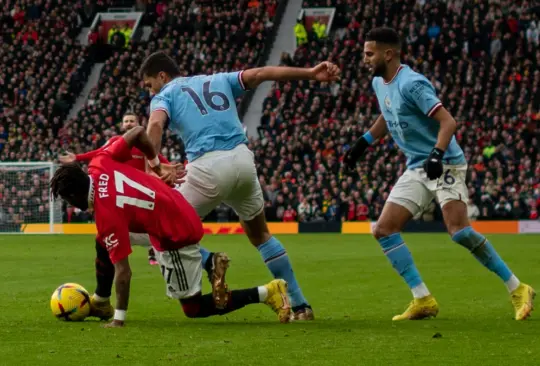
191, 307
382, 229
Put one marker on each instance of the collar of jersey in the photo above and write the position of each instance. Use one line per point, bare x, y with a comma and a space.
91, 193
401, 67
170, 82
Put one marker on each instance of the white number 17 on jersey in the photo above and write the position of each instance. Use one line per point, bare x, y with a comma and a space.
120, 179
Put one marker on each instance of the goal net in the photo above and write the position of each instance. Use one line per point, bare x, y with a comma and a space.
25, 201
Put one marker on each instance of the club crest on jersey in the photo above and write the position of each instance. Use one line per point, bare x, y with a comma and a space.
388, 103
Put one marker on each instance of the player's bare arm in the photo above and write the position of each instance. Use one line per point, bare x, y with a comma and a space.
122, 280
378, 130
433, 165
156, 125
137, 137
325, 71
448, 128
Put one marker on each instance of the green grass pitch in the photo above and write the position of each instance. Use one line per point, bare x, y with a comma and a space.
349, 282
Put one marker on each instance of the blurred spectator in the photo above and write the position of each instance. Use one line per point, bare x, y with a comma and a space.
503, 208
472, 210
484, 69
300, 32
319, 28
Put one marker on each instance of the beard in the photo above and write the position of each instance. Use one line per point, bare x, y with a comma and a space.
379, 69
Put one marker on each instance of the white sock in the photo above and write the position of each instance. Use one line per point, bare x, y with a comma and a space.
420, 291
263, 293
99, 298
512, 283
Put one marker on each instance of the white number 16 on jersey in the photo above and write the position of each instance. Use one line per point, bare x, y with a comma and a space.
120, 179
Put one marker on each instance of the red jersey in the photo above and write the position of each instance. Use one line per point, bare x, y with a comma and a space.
128, 200
136, 161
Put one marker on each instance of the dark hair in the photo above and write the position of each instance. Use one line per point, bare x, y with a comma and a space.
69, 181
384, 35
159, 62
129, 113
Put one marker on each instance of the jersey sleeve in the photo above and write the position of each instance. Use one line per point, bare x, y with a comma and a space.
236, 82
113, 232
163, 159
119, 150
92, 154
160, 103
422, 94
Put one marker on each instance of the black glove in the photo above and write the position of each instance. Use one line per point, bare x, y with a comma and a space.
353, 154
433, 165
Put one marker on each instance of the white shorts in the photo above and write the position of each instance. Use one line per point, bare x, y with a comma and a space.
224, 176
182, 271
415, 191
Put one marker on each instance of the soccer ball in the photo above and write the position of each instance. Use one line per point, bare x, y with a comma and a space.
70, 302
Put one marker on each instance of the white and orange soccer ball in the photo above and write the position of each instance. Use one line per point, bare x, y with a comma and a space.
70, 302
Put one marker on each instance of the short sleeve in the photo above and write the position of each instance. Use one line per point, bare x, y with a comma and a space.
113, 232
119, 150
236, 82
160, 103
422, 94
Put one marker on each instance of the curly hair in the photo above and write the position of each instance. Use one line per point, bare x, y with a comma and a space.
69, 181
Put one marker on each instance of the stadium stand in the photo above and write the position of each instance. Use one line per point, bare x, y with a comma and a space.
483, 59
41, 72
225, 38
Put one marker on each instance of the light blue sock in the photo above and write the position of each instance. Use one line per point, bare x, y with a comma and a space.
401, 259
482, 250
276, 259
205, 255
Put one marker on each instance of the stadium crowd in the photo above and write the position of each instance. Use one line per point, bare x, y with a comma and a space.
481, 56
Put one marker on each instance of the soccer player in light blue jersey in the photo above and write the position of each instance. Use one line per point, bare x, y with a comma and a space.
436, 169
201, 110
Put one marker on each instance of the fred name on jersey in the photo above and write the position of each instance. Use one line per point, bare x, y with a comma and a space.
103, 186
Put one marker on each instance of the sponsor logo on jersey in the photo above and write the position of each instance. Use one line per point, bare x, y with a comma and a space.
110, 242
402, 125
137, 157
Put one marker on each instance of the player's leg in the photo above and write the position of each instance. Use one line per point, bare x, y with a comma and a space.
452, 199
143, 240
152, 257
100, 304
277, 260
247, 201
273, 294
406, 199
201, 192
182, 271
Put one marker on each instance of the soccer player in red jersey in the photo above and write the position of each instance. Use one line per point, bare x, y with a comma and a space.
126, 200
129, 120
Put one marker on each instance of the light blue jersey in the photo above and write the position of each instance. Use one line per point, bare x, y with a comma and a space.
202, 111
407, 103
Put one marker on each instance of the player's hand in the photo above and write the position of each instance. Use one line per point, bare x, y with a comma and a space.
326, 71
172, 173
67, 158
114, 324
353, 154
433, 165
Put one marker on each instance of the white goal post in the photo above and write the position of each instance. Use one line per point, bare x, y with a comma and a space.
26, 204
